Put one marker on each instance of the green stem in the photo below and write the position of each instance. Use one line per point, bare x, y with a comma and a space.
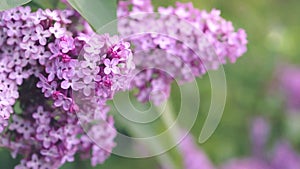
165, 159
172, 159
170, 123
168, 119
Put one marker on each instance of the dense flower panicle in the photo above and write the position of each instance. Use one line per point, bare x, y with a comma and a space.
42, 71
23, 39
290, 83
184, 41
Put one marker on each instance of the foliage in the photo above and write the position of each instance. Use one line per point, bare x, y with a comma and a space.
8, 4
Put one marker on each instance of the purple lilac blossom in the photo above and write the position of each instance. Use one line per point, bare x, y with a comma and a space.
45, 72
181, 41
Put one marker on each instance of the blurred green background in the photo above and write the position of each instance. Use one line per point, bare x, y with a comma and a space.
273, 29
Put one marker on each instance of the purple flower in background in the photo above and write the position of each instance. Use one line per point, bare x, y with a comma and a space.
259, 134
282, 155
248, 163
290, 82
193, 157
285, 157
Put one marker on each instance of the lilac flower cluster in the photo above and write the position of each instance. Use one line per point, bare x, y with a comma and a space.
179, 42
43, 70
23, 39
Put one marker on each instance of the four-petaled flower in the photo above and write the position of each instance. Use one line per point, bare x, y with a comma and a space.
41, 35
30, 48
111, 66
66, 44
57, 30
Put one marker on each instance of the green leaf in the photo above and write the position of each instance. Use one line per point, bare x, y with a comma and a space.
17, 108
8, 4
98, 13
45, 4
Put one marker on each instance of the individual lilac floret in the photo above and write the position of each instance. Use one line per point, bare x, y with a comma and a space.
179, 43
